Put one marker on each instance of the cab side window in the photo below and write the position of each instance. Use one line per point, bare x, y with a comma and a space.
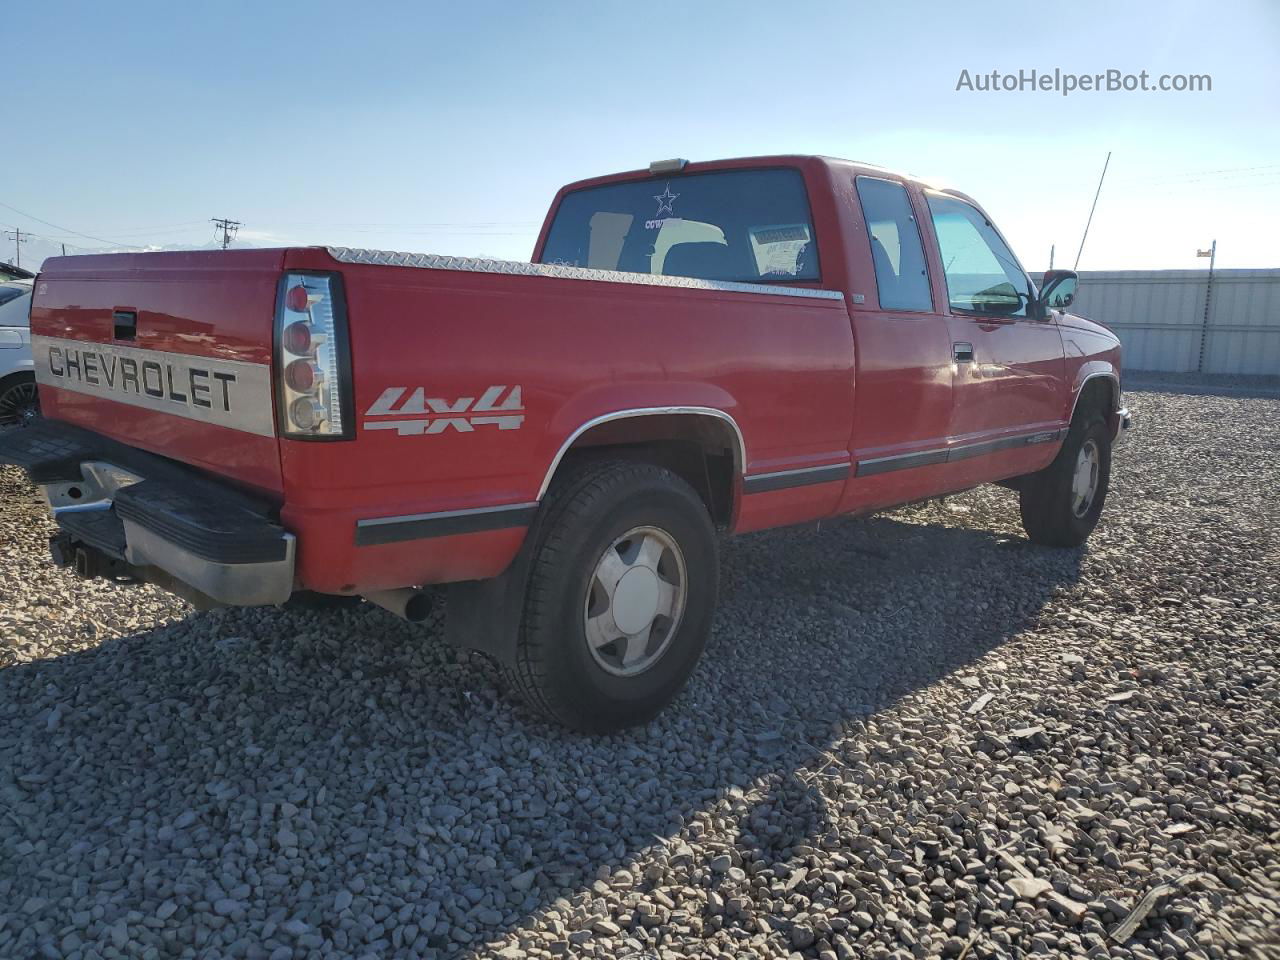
983, 276
901, 276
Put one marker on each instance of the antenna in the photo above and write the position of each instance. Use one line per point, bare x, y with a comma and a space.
1091, 209
229, 229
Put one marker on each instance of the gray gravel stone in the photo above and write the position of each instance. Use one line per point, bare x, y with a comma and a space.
284, 783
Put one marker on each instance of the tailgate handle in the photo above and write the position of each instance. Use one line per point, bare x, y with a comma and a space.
126, 324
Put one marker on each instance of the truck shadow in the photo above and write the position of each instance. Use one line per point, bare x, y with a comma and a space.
311, 753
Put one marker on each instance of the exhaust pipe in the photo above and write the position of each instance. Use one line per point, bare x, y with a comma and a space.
408, 603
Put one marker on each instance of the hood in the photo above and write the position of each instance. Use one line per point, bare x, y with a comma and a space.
1073, 321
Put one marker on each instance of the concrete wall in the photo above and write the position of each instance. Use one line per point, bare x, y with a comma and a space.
1160, 318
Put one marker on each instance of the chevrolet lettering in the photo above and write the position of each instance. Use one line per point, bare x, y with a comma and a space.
556, 448
229, 393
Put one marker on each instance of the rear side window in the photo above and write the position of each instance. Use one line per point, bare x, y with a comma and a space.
750, 226
901, 276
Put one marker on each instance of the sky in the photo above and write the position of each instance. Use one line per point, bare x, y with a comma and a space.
447, 127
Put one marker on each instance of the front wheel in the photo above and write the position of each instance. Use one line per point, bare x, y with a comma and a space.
621, 596
1061, 504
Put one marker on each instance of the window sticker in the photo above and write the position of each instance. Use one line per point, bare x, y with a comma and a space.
675, 232
666, 204
777, 248
608, 233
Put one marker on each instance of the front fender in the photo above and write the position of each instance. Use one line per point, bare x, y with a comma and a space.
1088, 371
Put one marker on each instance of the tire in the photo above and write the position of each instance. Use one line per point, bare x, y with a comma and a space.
604, 518
1050, 501
19, 402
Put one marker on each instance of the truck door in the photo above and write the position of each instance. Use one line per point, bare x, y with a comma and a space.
902, 392
1008, 389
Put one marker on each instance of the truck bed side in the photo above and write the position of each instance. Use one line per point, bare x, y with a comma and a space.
469, 383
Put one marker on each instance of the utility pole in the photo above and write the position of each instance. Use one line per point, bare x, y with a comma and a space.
1052, 247
229, 229
1212, 254
19, 238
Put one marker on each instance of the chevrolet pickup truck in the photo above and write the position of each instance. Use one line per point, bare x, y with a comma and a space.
695, 349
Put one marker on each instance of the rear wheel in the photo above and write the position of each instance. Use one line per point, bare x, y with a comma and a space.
19, 403
622, 592
1061, 504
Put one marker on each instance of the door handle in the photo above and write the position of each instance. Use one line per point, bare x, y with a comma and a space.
963, 352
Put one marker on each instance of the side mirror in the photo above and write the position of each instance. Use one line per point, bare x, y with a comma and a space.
1059, 289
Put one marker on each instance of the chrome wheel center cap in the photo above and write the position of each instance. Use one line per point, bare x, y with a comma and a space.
635, 602
635, 599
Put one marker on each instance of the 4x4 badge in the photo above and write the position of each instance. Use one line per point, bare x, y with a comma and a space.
499, 406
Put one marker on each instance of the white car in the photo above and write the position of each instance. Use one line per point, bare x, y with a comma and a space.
19, 405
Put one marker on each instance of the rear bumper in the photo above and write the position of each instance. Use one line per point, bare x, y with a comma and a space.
123, 513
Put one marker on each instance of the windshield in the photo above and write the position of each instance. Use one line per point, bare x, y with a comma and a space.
745, 225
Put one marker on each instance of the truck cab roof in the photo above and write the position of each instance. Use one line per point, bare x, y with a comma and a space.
812, 161
813, 164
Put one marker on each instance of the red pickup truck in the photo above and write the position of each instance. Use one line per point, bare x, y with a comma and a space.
695, 347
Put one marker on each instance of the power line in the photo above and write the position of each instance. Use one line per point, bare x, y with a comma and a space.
144, 232
468, 223
52, 238
229, 229
477, 228
1221, 173
56, 226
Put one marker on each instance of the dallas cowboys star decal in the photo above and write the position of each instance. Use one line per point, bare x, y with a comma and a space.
665, 199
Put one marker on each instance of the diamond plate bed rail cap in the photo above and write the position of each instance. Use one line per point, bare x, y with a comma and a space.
431, 261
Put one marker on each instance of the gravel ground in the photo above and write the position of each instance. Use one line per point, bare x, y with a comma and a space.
911, 736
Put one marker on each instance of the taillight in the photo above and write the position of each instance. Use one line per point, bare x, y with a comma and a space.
297, 338
313, 366
301, 376
297, 299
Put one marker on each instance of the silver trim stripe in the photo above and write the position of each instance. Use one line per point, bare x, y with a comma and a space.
926, 458
421, 526
431, 261
802, 477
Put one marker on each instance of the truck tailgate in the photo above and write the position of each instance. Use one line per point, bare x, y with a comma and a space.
168, 352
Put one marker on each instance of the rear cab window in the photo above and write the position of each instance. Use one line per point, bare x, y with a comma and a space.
750, 226
902, 279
